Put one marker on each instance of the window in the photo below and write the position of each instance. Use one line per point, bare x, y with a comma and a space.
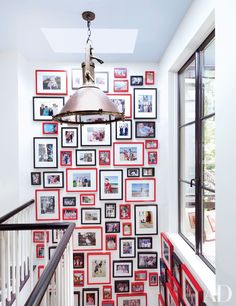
197, 151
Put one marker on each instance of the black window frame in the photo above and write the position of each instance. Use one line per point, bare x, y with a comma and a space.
197, 181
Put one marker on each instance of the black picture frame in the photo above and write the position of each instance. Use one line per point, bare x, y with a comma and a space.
61, 173
63, 143
176, 268
131, 170
112, 227
77, 299
147, 93
78, 260
121, 254
91, 290
122, 263
91, 210
69, 201
149, 124
147, 231
35, 178
51, 250
95, 144
162, 289
106, 211
37, 116
136, 80
120, 185
122, 286
124, 137
147, 264
41, 164
148, 169
85, 164
144, 243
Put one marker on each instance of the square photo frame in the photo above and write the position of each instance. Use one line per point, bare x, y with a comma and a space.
140, 190
81, 179
44, 108
90, 296
47, 204
69, 137
51, 82
45, 152
85, 157
128, 153
99, 268
123, 102
146, 219
53, 179
87, 238
145, 103
111, 184
124, 129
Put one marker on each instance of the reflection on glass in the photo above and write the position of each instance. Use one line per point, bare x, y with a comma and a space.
208, 153
208, 224
208, 78
188, 211
187, 145
187, 94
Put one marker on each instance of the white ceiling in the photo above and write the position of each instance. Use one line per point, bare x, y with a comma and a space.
22, 23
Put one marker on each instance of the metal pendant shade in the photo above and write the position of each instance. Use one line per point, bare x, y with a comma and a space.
89, 104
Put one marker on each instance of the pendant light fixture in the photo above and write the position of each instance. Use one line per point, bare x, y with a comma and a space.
89, 104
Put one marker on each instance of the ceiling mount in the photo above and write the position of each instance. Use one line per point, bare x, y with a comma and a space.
88, 16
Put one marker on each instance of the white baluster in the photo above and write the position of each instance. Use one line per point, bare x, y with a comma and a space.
3, 275
17, 250
13, 262
8, 265
71, 276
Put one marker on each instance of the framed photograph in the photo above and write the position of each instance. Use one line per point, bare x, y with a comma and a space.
151, 144
87, 238
121, 286
176, 268
95, 135
136, 299
78, 260
40, 251
90, 215
148, 172
51, 251
44, 108
136, 80
176, 288
137, 287
144, 129
47, 204
120, 73
140, 190
69, 201
163, 269
127, 229
90, 296
40, 270
122, 268
40, 236
78, 278
146, 219
123, 102
65, 158
57, 235
85, 157
70, 213
76, 78
162, 290
125, 211
144, 243
98, 268
111, 242
147, 260
127, 247
121, 86
169, 277
108, 303
107, 292
192, 293
149, 77
153, 279
104, 157
133, 172
110, 210
45, 152
145, 103
51, 82
140, 275
35, 178
81, 180
160, 300
53, 179
87, 199
111, 184
112, 227
171, 297
102, 80
69, 137
128, 153
166, 251
152, 157
50, 128
77, 298
124, 129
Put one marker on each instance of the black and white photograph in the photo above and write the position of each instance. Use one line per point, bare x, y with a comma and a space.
133, 172
69, 201
112, 227
121, 286
47, 204
122, 268
87, 238
136, 80
110, 210
90, 215
147, 260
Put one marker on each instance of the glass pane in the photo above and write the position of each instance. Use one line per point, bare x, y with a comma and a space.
187, 202
208, 152
208, 78
208, 223
187, 152
187, 94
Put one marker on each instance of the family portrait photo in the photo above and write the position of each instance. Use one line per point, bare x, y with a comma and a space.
124, 129
46, 107
145, 100
95, 135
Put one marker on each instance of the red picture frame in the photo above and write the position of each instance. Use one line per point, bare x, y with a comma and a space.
154, 281
44, 132
170, 295
152, 158
66, 158
51, 90
40, 250
125, 227
107, 292
70, 186
160, 300
135, 285
47, 207
104, 160
191, 287
151, 144
126, 153
120, 73
140, 275
111, 242
126, 99
125, 211
108, 303
132, 296
120, 85
41, 236
176, 287
87, 195
40, 270
98, 267
78, 280
130, 199
166, 251
149, 77
72, 213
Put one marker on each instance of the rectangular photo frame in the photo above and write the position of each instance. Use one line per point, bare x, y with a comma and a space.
139, 299
128, 153
90, 216
110, 184
98, 268
53, 179
102, 80
146, 219
69, 137
93, 135
81, 179
166, 251
44, 108
47, 204
123, 102
145, 129
45, 152
145, 103
122, 268
85, 157
87, 238
90, 296
140, 190
147, 260
51, 82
